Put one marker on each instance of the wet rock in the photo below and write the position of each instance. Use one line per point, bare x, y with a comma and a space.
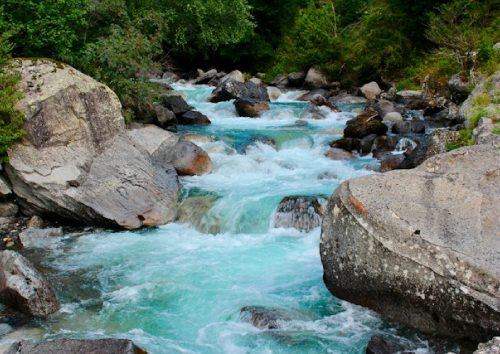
248, 107
327, 176
492, 347
176, 104
409, 127
231, 89
76, 346
171, 151
371, 90
389, 162
365, 124
314, 95
347, 144
421, 247
23, 288
435, 143
33, 237
296, 79
315, 79
263, 317
384, 144
280, 81
273, 92
339, 154
300, 212
205, 77
194, 118
394, 117
8, 209
378, 345
36, 222
366, 144
5, 189
263, 140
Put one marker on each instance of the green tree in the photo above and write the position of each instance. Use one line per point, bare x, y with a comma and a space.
11, 120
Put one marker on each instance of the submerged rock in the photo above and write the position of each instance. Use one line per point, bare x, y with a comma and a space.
263, 317
31, 237
23, 288
301, 212
421, 246
194, 211
77, 346
77, 162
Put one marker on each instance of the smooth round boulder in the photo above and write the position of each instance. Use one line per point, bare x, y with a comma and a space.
371, 90
421, 246
393, 117
315, 79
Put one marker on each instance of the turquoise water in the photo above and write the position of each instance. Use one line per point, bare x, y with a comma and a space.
175, 289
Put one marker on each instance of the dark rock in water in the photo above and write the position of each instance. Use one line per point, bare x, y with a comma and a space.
384, 144
421, 246
176, 104
249, 107
280, 81
378, 345
365, 124
301, 212
296, 79
194, 118
327, 176
389, 162
366, 144
339, 154
23, 288
263, 317
409, 127
231, 89
435, 143
347, 144
76, 346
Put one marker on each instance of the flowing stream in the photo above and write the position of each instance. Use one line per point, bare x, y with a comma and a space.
179, 288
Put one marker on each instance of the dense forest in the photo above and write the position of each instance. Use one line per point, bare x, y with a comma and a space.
119, 41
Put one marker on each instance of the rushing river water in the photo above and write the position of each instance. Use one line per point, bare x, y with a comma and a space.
179, 288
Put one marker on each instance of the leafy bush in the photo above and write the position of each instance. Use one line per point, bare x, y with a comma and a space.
11, 120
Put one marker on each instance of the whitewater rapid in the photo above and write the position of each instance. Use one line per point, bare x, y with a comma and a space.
179, 288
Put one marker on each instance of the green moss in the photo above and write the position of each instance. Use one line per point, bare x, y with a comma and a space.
59, 65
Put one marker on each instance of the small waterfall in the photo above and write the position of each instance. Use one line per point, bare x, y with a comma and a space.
302, 213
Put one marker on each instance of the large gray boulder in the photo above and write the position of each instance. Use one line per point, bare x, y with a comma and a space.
170, 150
421, 247
371, 90
484, 133
77, 346
77, 162
23, 288
315, 79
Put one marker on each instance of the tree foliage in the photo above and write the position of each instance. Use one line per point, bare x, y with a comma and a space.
11, 120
